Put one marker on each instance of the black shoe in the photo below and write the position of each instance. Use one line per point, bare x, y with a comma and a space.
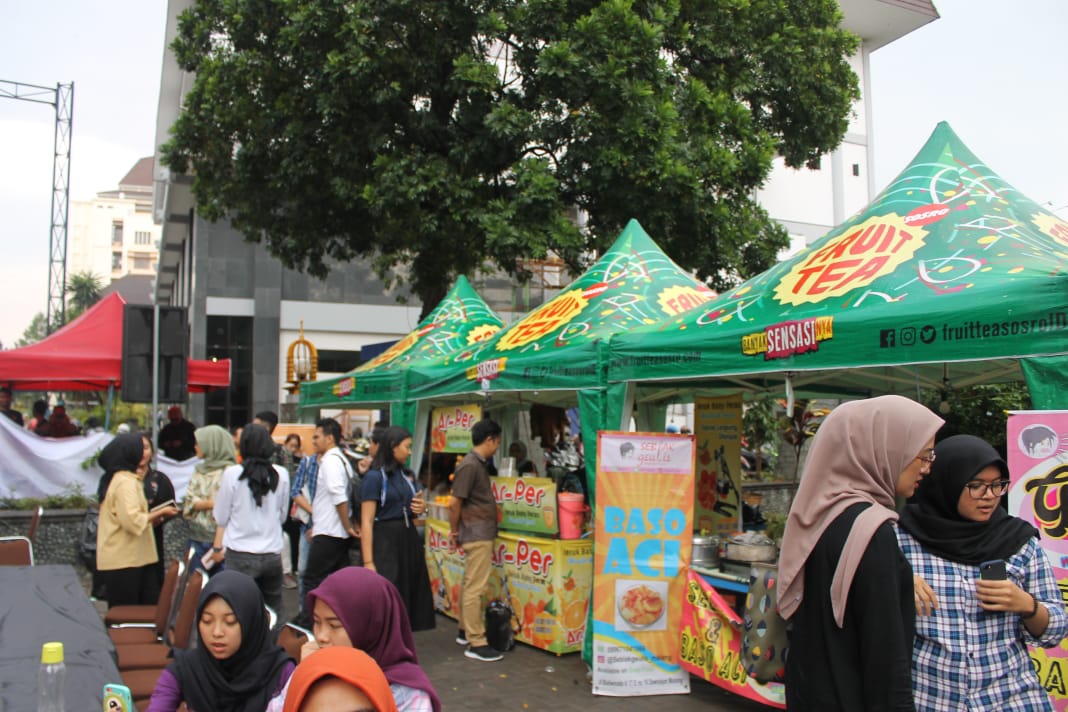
484, 653
461, 638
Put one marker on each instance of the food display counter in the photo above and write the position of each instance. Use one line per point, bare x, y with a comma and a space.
546, 581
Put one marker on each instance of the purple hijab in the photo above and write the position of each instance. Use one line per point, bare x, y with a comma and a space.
374, 616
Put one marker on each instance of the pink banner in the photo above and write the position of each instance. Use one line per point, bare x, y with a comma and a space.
711, 644
1037, 447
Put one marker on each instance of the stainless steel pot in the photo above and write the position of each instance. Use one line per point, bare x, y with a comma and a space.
751, 552
705, 551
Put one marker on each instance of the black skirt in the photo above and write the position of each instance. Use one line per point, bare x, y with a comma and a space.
399, 557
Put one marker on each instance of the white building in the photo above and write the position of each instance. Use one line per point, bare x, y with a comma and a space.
114, 234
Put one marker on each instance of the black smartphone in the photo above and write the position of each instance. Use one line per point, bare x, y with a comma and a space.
993, 570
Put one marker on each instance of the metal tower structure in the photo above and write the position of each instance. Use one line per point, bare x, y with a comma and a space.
61, 99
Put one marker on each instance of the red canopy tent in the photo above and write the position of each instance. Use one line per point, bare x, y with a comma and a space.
86, 355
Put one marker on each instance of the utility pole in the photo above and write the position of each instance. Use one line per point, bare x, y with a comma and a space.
61, 99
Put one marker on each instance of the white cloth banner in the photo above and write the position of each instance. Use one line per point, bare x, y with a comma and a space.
33, 466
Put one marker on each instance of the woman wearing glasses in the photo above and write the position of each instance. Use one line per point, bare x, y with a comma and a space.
969, 651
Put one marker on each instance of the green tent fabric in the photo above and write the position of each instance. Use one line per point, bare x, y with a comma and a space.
560, 345
460, 321
947, 279
1047, 380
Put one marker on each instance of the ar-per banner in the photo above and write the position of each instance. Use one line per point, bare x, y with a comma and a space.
643, 541
718, 427
1037, 447
451, 427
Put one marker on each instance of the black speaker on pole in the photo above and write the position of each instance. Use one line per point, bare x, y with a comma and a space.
137, 354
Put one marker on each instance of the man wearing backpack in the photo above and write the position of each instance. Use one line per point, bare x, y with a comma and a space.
332, 528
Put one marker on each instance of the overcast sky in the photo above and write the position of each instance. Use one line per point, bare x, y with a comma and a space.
994, 70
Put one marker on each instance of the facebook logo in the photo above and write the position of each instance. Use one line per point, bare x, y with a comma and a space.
887, 339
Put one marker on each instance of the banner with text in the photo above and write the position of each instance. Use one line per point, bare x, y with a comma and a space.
526, 504
643, 541
718, 428
1037, 445
710, 644
450, 429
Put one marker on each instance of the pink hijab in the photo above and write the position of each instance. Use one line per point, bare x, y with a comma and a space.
857, 455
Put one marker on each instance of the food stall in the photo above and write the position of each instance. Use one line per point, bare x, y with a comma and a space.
546, 580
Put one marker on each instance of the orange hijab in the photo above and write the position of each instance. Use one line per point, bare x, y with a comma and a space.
857, 455
353, 666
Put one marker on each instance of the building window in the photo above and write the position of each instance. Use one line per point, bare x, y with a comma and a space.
142, 237
116, 232
116, 261
141, 263
332, 361
231, 337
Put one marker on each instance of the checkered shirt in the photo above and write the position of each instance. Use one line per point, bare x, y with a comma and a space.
307, 474
965, 658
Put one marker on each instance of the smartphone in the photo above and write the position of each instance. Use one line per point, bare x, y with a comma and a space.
993, 570
117, 698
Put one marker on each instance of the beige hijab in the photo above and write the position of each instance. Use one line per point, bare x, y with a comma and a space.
857, 455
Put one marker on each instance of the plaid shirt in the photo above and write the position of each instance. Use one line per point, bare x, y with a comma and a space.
307, 474
965, 658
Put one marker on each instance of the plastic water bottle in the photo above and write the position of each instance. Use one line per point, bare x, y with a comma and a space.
52, 679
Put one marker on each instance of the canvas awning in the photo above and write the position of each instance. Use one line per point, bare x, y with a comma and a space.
86, 355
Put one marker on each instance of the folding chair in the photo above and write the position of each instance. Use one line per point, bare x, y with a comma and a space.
146, 614
16, 551
129, 634
35, 521
148, 656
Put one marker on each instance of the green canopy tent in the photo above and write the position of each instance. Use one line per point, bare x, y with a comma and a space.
949, 278
556, 354
460, 321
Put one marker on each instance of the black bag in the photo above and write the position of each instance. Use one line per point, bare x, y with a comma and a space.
87, 545
499, 632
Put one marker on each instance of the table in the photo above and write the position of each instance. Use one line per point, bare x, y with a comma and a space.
40, 604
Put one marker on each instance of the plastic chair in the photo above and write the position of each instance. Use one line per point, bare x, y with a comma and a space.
16, 551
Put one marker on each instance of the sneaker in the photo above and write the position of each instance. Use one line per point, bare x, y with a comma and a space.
461, 638
289, 581
484, 653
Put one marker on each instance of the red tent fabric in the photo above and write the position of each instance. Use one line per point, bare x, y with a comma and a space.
86, 355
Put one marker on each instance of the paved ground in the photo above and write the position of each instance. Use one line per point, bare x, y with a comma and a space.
531, 679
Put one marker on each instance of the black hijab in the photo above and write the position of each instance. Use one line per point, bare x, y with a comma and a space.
931, 516
245, 681
257, 448
123, 453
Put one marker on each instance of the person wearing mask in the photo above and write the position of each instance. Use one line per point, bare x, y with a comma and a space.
250, 508
339, 679
125, 546
972, 634
389, 505
843, 582
235, 666
215, 448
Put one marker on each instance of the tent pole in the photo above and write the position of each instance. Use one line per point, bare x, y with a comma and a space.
107, 411
155, 373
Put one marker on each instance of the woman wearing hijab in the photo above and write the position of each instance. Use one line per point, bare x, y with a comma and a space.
215, 448
339, 679
125, 547
234, 667
971, 635
389, 540
844, 585
358, 608
250, 509
158, 490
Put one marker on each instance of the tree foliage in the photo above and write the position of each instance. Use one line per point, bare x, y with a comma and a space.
37, 330
437, 138
84, 290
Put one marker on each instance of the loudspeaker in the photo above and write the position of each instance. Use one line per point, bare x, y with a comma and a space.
137, 354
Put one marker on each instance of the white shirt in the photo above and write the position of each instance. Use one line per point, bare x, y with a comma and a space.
331, 490
251, 529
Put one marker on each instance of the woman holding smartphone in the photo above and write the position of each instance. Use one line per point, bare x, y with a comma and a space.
984, 588
389, 504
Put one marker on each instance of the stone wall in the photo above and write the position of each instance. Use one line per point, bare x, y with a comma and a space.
60, 533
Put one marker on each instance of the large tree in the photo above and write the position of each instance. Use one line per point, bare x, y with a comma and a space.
84, 289
436, 138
